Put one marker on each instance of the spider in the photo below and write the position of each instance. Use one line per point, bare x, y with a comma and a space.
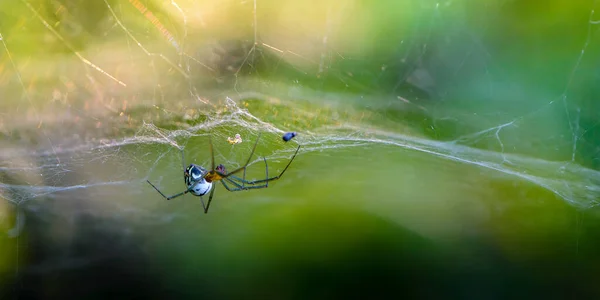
199, 181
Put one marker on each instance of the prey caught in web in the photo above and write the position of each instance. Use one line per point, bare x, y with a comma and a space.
199, 180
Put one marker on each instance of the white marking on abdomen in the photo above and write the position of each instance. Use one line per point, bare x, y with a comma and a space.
201, 188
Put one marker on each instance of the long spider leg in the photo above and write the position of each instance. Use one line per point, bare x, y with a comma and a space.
240, 179
164, 196
246, 188
182, 160
212, 192
232, 182
237, 178
247, 162
183, 165
212, 154
267, 172
243, 181
239, 187
203, 206
252, 182
275, 177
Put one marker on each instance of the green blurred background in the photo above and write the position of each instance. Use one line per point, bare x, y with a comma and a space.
449, 149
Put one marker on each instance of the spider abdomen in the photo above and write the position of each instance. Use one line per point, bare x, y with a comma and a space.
201, 188
196, 184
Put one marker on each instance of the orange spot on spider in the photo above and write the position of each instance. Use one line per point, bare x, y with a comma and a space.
212, 176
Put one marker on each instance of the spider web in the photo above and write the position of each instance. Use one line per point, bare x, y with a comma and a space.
118, 88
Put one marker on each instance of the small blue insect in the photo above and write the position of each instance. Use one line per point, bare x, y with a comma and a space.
288, 136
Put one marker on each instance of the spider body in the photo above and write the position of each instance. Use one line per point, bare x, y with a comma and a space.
199, 181
196, 184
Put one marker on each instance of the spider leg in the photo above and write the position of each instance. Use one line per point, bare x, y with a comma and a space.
183, 164
244, 176
169, 197
243, 179
182, 160
267, 170
242, 187
280, 174
247, 162
203, 206
179, 194
239, 187
212, 154
212, 192
266, 181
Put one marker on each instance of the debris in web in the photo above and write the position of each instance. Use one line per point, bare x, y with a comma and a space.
235, 140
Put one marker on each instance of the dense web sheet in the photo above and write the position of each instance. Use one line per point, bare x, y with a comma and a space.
113, 96
575, 184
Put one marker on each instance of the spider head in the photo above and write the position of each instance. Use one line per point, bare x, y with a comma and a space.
221, 169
